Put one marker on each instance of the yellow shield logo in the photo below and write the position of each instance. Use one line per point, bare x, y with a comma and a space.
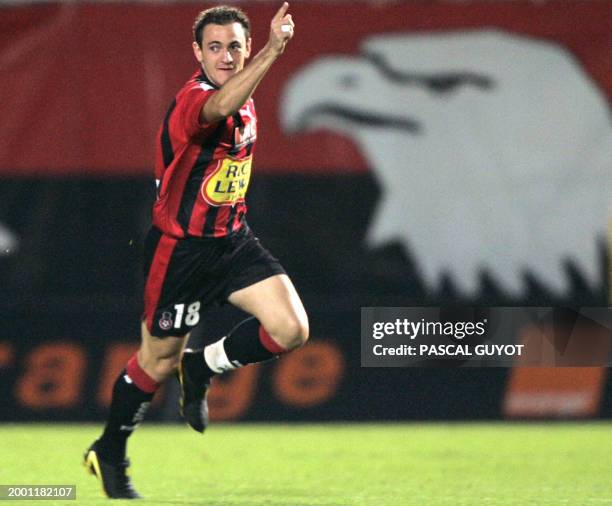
228, 183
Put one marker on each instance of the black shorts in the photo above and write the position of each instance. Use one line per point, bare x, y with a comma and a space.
183, 276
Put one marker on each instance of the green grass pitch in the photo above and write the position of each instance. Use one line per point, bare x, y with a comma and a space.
330, 464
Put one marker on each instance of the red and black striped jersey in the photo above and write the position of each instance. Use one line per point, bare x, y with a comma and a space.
202, 169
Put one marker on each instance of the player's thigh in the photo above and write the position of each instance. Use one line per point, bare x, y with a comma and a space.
275, 302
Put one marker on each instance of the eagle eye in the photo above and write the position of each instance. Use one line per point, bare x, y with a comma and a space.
348, 81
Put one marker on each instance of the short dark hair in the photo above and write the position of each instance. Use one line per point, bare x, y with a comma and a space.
220, 15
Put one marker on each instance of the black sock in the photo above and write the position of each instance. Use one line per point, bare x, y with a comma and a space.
127, 410
247, 343
243, 344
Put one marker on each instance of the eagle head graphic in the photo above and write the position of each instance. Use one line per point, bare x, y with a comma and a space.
493, 152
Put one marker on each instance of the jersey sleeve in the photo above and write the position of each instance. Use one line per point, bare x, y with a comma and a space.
188, 109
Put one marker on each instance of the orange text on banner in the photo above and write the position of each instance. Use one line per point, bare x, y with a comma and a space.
310, 375
53, 377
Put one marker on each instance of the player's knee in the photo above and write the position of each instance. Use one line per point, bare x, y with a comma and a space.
159, 366
292, 333
165, 367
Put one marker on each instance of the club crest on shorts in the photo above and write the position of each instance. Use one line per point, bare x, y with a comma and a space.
165, 322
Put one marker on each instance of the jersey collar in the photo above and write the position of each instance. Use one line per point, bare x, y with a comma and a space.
202, 77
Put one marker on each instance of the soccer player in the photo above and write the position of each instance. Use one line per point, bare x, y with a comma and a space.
200, 250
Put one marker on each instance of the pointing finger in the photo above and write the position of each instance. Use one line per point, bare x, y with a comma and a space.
281, 12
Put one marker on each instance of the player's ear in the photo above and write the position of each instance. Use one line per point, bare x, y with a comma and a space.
247, 53
197, 51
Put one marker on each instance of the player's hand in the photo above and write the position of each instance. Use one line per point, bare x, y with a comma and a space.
281, 29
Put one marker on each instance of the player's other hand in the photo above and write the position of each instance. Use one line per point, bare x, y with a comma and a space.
281, 29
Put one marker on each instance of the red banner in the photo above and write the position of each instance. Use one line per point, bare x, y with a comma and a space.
565, 392
85, 86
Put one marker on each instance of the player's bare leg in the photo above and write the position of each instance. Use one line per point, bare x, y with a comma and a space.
279, 324
160, 357
133, 391
276, 304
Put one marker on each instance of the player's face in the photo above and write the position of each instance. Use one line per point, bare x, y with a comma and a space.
223, 52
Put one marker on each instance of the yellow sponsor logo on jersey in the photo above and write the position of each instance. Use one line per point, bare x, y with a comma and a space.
228, 183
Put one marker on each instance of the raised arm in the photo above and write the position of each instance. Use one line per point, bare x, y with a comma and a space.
239, 88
